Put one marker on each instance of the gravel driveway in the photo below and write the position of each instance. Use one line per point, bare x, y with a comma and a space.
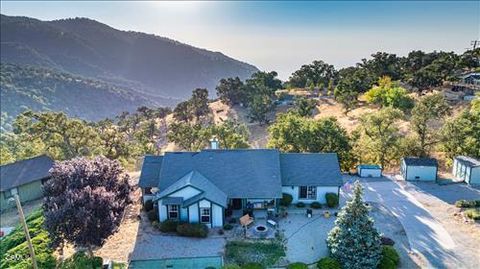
426, 234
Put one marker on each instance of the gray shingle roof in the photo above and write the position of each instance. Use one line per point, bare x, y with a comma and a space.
317, 169
469, 161
197, 180
150, 171
247, 173
22, 172
412, 161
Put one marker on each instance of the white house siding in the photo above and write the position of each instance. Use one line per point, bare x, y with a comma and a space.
321, 191
369, 172
421, 173
183, 214
162, 211
186, 193
206, 203
217, 216
193, 213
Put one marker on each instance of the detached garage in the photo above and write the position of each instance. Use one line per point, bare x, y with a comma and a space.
466, 169
369, 170
419, 169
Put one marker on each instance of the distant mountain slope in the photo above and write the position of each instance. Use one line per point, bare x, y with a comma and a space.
43, 89
86, 47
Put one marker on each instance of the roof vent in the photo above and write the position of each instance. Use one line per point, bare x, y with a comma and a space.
214, 143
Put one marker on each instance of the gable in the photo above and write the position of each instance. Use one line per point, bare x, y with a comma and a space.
186, 192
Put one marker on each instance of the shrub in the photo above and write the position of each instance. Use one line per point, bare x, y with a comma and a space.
328, 263
286, 199
169, 226
300, 205
387, 241
316, 205
152, 215
227, 227
148, 206
467, 203
473, 213
332, 199
386, 264
192, 230
80, 260
231, 266
297, 265
389, 257
253, 265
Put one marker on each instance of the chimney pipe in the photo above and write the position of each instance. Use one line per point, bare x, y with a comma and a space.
214, 143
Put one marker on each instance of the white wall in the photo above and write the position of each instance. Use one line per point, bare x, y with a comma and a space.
321, 191
424, 173
187, 193
193, 213
363, 172
162, 211
217, 216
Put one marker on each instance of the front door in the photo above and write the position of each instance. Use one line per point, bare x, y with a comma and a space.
237, 204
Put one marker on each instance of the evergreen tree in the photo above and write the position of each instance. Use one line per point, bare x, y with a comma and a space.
354, 241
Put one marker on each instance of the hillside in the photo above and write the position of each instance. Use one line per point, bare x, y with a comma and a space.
154, 64
43, 89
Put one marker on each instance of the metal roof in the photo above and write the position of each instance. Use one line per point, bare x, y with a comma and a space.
22, 172
413, 161
318, 169
469, 161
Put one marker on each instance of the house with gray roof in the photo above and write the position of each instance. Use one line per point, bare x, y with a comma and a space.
419, 169
466, 169
25, 178
200, 186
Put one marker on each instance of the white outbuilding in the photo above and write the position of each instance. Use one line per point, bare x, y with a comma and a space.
466, 169
419, 169
369, 170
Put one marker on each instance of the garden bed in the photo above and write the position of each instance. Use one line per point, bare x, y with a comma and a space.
267, 253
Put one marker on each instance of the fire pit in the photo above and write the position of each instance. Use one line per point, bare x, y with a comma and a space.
261, 230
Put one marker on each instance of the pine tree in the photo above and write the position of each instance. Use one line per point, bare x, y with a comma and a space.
354, 242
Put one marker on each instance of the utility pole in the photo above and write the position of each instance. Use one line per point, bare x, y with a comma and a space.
475, 44
25, 229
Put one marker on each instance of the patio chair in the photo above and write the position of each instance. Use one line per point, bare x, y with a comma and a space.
246, 220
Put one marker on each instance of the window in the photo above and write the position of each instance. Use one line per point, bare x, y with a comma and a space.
205, 215
308, 192
173, 211
10, 193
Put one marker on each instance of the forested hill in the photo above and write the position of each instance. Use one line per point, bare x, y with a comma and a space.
88, 48
43, 89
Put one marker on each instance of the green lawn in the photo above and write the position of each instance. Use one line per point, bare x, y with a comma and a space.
264, 252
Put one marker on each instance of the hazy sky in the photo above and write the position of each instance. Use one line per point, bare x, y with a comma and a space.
282, 36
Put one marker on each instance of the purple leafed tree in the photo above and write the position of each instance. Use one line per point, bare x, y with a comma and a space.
85, 201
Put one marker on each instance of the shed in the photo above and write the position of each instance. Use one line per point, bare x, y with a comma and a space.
466, 169
369, 170
419, 169
25, 178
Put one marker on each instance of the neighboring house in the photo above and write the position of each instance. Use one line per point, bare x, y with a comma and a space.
24, 178
466, 169
369, 170
471, 78
200, 186
419, 169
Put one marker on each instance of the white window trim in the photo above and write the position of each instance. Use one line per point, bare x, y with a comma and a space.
204, 215
310, 190
169, 210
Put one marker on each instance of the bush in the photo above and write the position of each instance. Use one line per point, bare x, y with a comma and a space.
152, 215
332, 199
227, 227
192, 230
169, 226
316, 205
148, 206
80, 260
231, 266
253, 265
300, 205
328, 263
473, 213
467, 203
286, 199
387, 241
297, 265
390, 258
